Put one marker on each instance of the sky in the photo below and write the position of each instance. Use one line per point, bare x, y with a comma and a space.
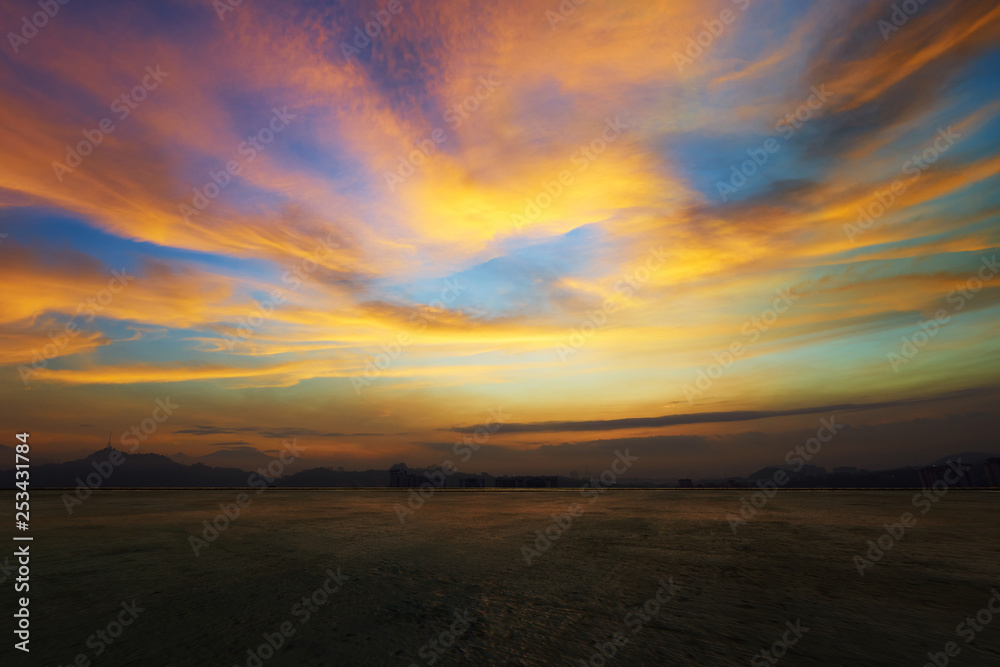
694, 230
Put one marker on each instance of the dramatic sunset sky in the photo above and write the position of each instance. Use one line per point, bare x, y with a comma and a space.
520, 207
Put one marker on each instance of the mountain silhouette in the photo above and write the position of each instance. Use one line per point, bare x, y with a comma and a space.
244, 458
110, 468
98, 470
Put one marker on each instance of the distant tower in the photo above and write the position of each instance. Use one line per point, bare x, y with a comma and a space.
109, 440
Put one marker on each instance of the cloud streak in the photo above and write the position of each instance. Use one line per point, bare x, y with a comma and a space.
235, 306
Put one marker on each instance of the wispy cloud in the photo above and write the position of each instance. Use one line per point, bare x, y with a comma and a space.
248, 262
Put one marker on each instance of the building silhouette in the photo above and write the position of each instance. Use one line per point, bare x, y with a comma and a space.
527, 482
401, 477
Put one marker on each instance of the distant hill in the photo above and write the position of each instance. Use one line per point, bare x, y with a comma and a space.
135, 470
807, 470
968, 458
847, 477
244, 458
181, 457
156, 470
